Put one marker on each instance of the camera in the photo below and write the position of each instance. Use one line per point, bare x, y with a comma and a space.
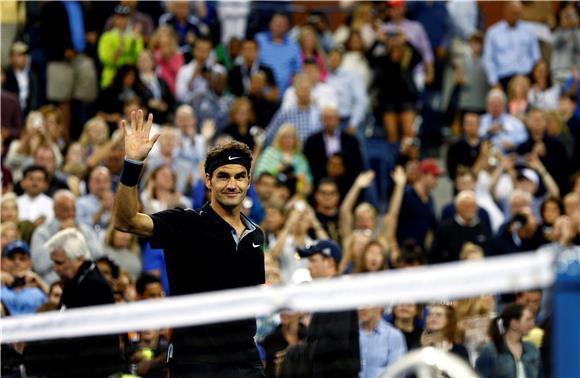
18, 282
300, 206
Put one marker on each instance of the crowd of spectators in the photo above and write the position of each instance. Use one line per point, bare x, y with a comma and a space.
495, 111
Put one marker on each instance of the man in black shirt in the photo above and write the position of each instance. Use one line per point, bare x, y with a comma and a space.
333, 337
212, 248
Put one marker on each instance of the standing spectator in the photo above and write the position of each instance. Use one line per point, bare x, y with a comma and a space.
504, 131
362, 23
20, 79
83, 286
418, 221
310, 50
23, 291
326, 202
355, 58
157, 94
233, 19
405, 317
319, 147
333, 337
511, 47
94, 208
279, 52
506, 355
322, 94
305, 115
566, 46
465, 227
64, 217
466, 150
470, 75
517, 94
118, 46
10, 118
187, 26
441, 331
543, 94
192, 78
33, 204
240, 75
381, 344
351, 94
137, 19
373, 258
71, 74
168, 58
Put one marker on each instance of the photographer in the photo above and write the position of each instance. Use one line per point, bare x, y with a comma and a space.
23, 291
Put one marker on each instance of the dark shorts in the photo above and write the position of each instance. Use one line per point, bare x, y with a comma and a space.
211, 370
398, 106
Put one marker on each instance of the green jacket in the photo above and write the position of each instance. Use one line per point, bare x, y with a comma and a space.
108, 44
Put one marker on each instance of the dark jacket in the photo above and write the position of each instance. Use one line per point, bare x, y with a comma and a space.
333, 344
236, 79
451, 236
92, 356
494, 363
11, 85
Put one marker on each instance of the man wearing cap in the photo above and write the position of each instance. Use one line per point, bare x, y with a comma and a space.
417, 221
333, 337
212, 248
23, 291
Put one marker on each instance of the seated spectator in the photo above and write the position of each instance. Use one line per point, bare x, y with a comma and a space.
353, 246
118, 46
239, 76
543, 94
279, 52
322, 94
33, 204
548, 149
381, 344
290, 332
355, 59
506, 350
64, 217
168, 57
565, 45
23, 291
531, 300
272, 223
466, 150
193, 78
310, 50
20, 79
9, 213
320, 146
326, 202
94, 208
441, 331
160, 191
305, 115
188, 27
53, 120
505, 131
517, 94
362, 23
550, 210
214, 103
193, 141
351, 95
373, 258
157, 95
464, 227
511, 47
95, 142
124, 250
285, 152
263, 101
520, 234
241, 121
405, 317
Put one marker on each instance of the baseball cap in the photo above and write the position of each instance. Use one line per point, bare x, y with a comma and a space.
122, 10
430, 166
395, 3
327, 248
16, 246
530, 175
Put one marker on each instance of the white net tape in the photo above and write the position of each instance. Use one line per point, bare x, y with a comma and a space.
423, 284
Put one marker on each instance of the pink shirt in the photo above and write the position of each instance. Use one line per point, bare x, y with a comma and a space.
167, 68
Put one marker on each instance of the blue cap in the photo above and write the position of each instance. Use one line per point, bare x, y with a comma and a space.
326, 248
16, 246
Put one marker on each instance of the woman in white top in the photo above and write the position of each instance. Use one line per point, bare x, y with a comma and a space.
543, 94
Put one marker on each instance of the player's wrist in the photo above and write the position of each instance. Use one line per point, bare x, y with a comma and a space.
131, 172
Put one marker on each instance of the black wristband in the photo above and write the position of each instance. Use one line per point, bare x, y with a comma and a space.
131, 173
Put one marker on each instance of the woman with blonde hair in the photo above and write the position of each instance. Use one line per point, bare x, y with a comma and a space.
285, 155
123, 248
168, 57
518, 89
373, 258
441, 330
310, 49
160, 191
95, 141
9, 214
241, 120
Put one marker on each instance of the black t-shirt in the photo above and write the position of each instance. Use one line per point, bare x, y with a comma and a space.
201, 255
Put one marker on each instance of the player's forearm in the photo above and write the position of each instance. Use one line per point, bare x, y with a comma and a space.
126, 207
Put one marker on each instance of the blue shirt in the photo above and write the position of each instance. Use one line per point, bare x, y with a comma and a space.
76, 24
509, 51
307, 122
513, 130
24, 301
416, 218
284, 58
87, 206
434, 18
380, 348
353, 100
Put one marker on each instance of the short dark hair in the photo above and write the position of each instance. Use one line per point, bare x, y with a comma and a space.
35, 168
144, 280
115, 271
250, 40
201, 40
327, 180
216, 153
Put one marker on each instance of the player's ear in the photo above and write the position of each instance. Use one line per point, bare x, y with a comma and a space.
207, 181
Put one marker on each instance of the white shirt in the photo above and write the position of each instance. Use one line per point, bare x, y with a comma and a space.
332, 143
22, 79
183, 93
31, 208
322, 95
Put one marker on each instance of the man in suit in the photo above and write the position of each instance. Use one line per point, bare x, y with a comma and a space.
20, 79
239, 76
331, 140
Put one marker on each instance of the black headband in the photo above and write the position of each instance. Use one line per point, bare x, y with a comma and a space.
227, 157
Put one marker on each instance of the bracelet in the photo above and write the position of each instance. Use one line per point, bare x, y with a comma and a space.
131, 172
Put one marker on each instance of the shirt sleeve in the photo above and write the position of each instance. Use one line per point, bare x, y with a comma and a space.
168, 226
488, 62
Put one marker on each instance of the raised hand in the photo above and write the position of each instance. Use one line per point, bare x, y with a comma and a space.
399, 176
365, 179
137, 141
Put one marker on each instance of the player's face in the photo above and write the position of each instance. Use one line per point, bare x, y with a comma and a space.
229, 185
